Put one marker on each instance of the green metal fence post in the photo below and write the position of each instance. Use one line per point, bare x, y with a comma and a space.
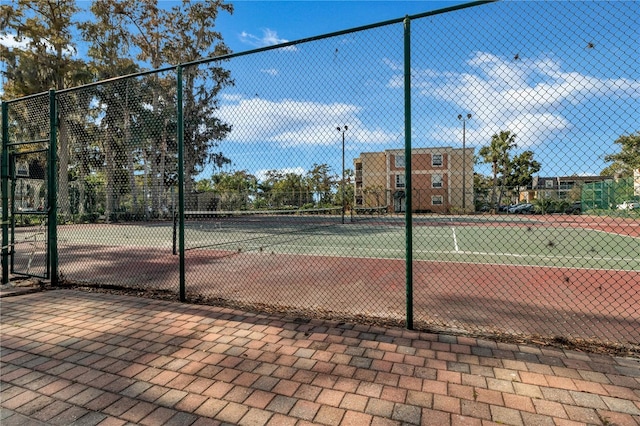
180, 140
407, 176
52, 190
5, 193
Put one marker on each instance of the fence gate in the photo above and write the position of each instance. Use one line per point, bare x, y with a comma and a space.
27, 208
28, 194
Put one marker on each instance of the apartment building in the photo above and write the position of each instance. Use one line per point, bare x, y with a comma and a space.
437, 174
558, 187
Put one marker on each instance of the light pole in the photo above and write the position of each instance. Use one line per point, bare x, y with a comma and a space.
464, 119
343, 131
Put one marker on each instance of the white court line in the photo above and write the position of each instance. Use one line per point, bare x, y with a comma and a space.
455, 239
477, 253
525, 265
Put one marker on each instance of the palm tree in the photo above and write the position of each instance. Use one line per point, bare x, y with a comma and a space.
497, 154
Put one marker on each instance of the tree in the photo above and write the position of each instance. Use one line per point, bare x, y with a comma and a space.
627, 160
497, 154
109, 45
374, 196
205, 185
191, 24
349, 189
481, 189
45, 60
235, 189
182, 34
321, 182
519, 172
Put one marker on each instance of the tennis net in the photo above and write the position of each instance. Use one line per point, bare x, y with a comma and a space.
247, 230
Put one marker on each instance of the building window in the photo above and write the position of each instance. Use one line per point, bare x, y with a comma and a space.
436, 160
566, 185
436, 181
399, 161
548, 183
436, 200
399, 181
359, 171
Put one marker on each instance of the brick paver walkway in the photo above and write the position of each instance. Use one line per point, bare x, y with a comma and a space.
69, 357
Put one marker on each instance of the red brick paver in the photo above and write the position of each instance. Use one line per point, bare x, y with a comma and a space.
88, 358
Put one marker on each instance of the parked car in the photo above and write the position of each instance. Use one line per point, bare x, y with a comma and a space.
628, 205
486, 207
575, 208
522, 208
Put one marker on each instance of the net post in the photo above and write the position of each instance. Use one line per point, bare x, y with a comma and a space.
174, 221
52, 228
180, 140
5, 193
408, 187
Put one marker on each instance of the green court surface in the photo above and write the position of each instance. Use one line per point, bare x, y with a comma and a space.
514, 244
510, 243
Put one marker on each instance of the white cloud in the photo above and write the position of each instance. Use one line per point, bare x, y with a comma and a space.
529, 97
261, 174
291, 123
270, 71
531, 129
269, 38
231, 97
12, 42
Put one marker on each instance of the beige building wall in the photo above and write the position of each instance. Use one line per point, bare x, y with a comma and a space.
437, 179
371, 180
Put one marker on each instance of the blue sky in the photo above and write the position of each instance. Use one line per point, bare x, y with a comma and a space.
309, 114
563, 76
258, 23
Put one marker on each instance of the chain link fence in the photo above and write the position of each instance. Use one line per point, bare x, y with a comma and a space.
440, 171
121, 188
25, 182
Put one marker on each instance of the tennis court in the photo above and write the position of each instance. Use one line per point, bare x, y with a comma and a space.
541, 242
550, 275
533, 242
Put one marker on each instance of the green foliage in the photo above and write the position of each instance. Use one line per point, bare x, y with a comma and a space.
510, 173
321, 182
520, 170
234, 190
550, 205
204, 185
497, 154
627, 160
47, 59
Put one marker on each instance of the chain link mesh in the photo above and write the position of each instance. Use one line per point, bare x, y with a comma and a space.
28, 129
518, 83
277, 225
295, 194
116, 217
